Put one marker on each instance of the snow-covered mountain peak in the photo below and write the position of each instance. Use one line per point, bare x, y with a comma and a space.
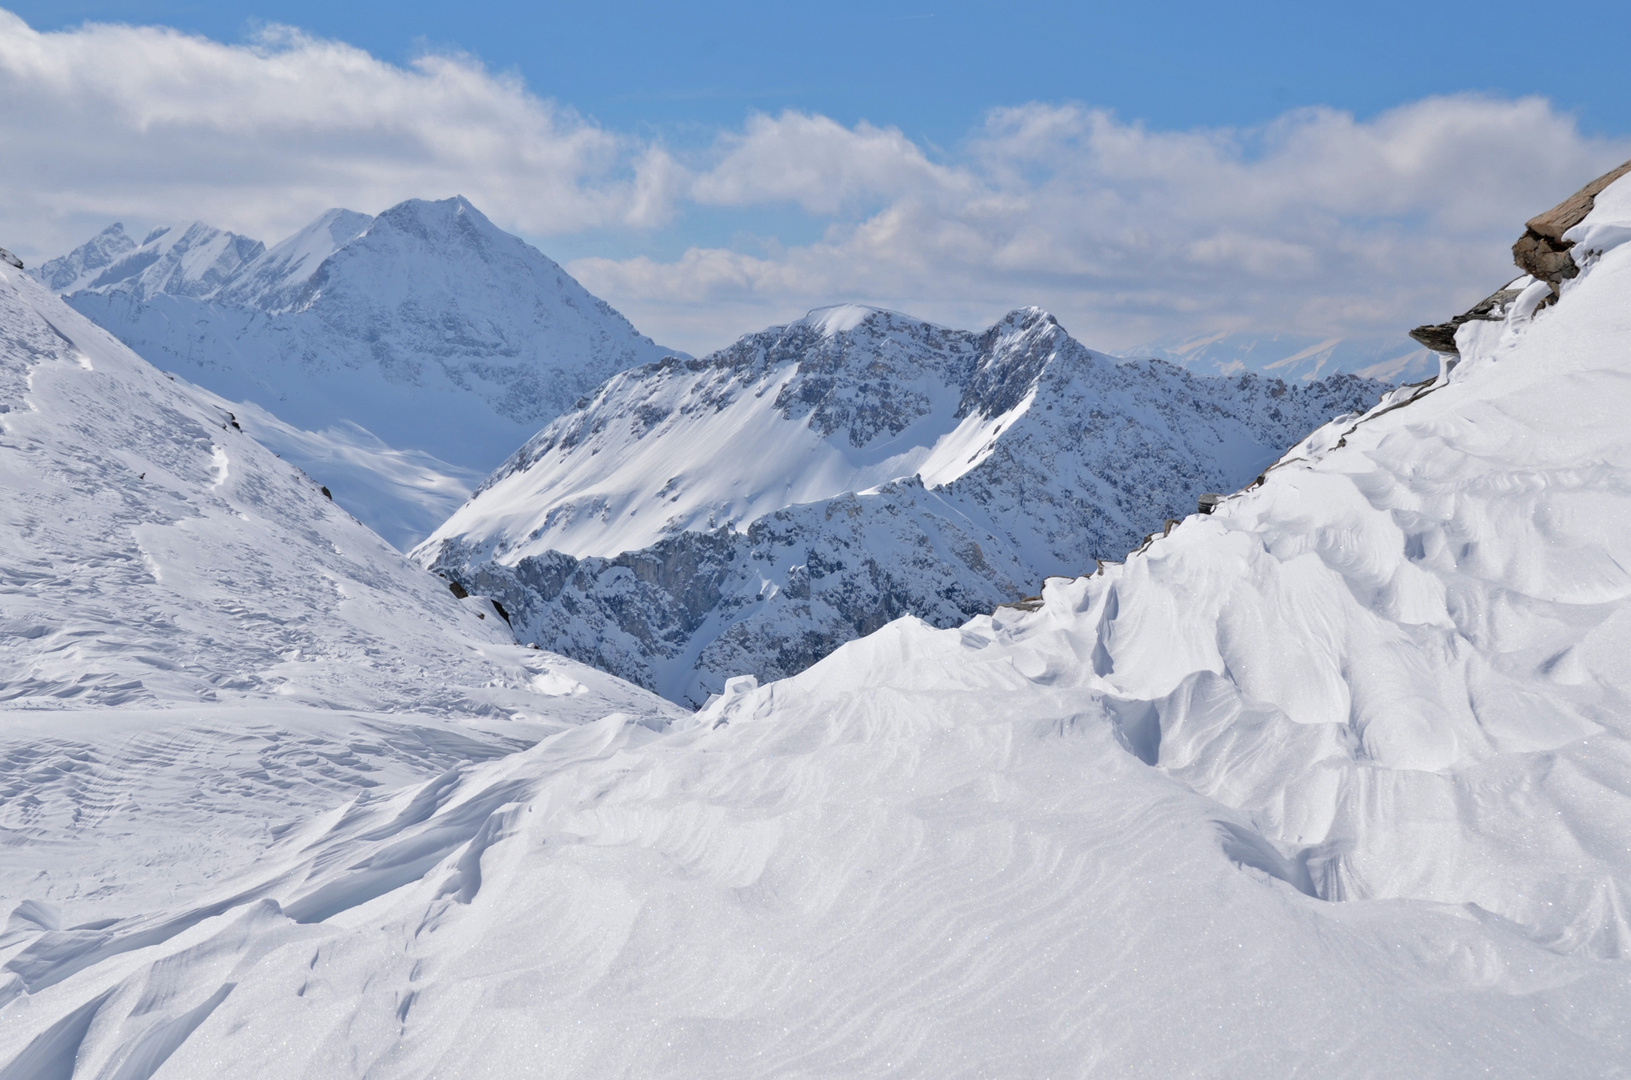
428, 327
280, 278
840, 318
814, 479
192, 261
74, 271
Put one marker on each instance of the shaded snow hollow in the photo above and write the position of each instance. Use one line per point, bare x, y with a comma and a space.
1334, 780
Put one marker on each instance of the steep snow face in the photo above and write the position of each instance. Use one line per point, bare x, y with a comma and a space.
1336, 779
789, 415
427, 326
747, 513
1294, 357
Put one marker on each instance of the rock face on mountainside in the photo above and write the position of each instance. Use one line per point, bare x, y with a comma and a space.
427, 326
747, 513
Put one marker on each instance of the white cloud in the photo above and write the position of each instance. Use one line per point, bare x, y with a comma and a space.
146, 122
1318, 222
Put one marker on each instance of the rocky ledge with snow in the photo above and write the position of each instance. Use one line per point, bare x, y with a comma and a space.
746, 513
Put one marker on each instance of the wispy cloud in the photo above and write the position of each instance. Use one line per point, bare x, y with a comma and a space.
1318, 222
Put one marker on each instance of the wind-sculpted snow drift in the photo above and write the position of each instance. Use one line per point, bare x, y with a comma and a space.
427, 326
749, 512
1335, 780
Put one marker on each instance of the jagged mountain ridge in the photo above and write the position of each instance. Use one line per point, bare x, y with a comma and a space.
426, 326
748, 512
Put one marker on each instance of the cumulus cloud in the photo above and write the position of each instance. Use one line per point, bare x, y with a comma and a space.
1315, 223
110, 120
1318, 222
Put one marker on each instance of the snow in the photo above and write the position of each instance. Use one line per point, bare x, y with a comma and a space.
1333, 780
401, 494
840, 319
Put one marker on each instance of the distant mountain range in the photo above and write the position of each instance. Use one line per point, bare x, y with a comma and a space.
397, 357
1394, 359
748, 512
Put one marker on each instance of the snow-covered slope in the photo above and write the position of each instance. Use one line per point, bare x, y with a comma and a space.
1292, 356
748, 512
427, 326
1334, 781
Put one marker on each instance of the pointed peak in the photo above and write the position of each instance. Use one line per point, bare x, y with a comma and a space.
1026, 318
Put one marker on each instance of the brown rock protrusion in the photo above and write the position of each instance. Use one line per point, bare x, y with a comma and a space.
1541, 250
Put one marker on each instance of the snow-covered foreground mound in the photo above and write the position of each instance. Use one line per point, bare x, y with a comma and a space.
749, 512
427, 326
1336, 780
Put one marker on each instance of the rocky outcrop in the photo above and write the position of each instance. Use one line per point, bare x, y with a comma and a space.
1440, 337
1541, 252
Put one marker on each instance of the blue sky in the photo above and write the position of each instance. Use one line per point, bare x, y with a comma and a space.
1147, 171
932, 67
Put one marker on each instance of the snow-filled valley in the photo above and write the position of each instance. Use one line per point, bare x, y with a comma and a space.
395, 358
1333, 780
748, 512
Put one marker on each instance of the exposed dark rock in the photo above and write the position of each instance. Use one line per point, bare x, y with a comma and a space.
1208, 502
1541, 250
459, 591
10, 259
1440, 337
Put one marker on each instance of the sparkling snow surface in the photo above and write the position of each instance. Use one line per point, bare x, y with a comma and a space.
1335, 781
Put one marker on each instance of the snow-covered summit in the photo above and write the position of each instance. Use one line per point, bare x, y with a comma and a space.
427, 326
747, 512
